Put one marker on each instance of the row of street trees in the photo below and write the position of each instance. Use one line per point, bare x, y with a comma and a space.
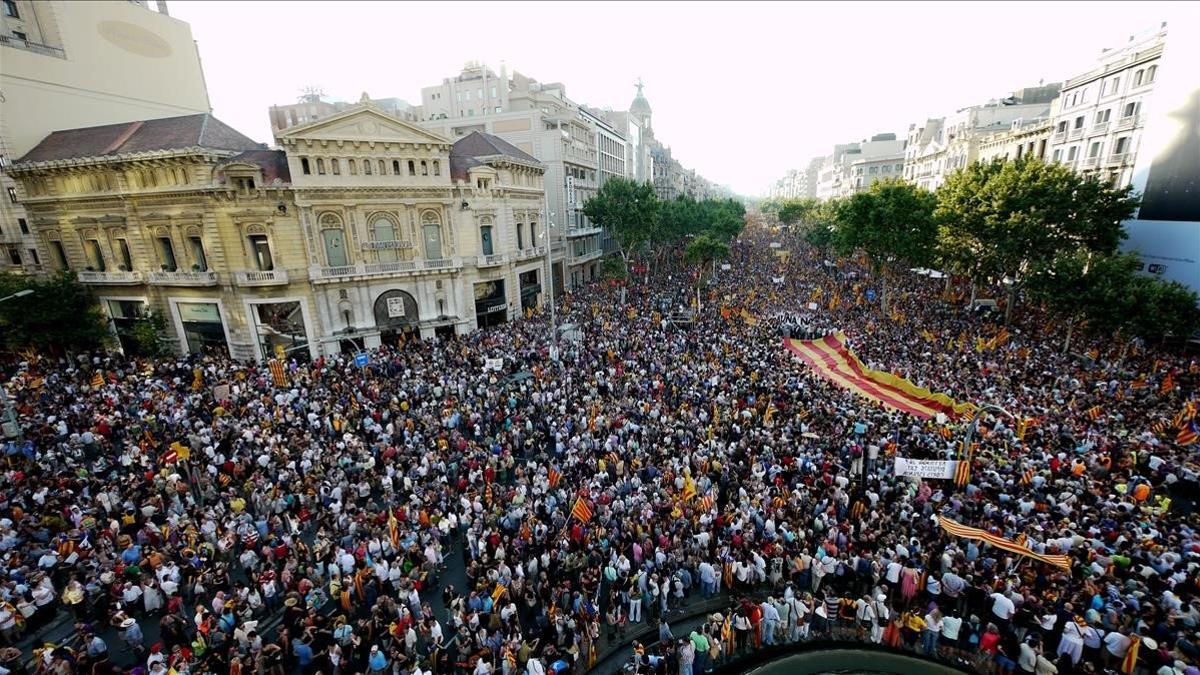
1031, 227
645, 228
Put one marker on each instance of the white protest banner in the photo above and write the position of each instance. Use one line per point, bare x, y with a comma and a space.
493, 364
932, 469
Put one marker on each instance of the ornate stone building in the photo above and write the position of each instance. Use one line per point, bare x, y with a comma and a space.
409, 234
182, 216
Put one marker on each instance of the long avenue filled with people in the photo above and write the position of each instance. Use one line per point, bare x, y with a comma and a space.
425, 513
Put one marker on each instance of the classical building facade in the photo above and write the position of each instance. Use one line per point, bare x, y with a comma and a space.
944, 145
65, 65
1098, 120
181, 216
410, 234
1026, 138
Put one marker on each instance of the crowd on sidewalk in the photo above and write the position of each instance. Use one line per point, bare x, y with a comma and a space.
651, 464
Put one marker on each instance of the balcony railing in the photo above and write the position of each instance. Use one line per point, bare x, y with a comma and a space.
1099, 127
261, 278
36, 47
490, 260
1089, 162
179, 278
1075, 133
532, 252
582, 231
1127, 122
1120, 157
1059, 136
586, 257
119, 277
398, 267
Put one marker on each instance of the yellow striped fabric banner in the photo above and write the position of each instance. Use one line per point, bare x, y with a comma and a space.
959, 530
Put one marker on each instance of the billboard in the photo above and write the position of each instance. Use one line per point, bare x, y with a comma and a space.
1166, 229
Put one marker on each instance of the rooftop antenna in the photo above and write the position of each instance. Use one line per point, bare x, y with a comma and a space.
310, 93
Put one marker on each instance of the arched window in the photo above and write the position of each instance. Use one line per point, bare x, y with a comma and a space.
383, 229
431, 227
382, 168
334, 240
320, 166
395, 167
437, 168
367, 167
424, 168
353, 167
304, 166
335, 166
412, 168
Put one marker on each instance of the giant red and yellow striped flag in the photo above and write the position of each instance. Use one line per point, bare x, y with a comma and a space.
959, 530
581, 511
832, 359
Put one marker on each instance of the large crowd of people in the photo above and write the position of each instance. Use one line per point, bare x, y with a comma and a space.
193, 515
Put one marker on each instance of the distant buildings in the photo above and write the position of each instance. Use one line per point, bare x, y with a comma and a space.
1092, 122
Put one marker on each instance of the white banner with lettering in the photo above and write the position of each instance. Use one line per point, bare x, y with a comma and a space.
926, 468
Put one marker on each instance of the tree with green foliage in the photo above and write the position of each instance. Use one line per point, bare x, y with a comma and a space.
1113, 297
60, 315
1001, 219
629, 211
147, 334
892, 222
704, 251
798, 211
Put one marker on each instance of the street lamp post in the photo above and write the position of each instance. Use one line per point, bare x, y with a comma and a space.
546, 225
11, 426
970, 433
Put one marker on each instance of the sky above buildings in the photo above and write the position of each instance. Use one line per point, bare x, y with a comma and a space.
741, 92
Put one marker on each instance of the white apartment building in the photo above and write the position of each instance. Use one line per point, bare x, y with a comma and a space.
1098, 122
67, 65
540, 120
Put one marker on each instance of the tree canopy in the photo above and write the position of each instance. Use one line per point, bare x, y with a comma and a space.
628, 209
60, 315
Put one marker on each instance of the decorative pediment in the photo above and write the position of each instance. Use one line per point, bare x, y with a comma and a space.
361, 124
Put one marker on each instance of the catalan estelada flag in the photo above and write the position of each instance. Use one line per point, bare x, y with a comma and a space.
834, 361
959, 530
581, 510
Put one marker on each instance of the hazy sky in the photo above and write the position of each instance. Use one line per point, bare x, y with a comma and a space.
741, 91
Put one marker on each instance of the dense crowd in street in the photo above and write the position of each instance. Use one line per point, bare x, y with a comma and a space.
653, 464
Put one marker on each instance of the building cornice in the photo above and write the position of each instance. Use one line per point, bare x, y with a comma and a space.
195, 153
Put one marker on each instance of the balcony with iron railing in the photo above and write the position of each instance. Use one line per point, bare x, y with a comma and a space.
1059, 136
1127, 122
182, 278
490, 260
118, 277
1120, 158
531, 252
1075, 133
261, 278
1099, 128
585, 257
1089, 162
583, 231
318, 274
35, 47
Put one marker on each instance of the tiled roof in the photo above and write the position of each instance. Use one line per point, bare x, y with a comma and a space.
169, 133
478, 144
273, 163
469, 151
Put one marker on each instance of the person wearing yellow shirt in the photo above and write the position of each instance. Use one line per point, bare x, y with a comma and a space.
237, 504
